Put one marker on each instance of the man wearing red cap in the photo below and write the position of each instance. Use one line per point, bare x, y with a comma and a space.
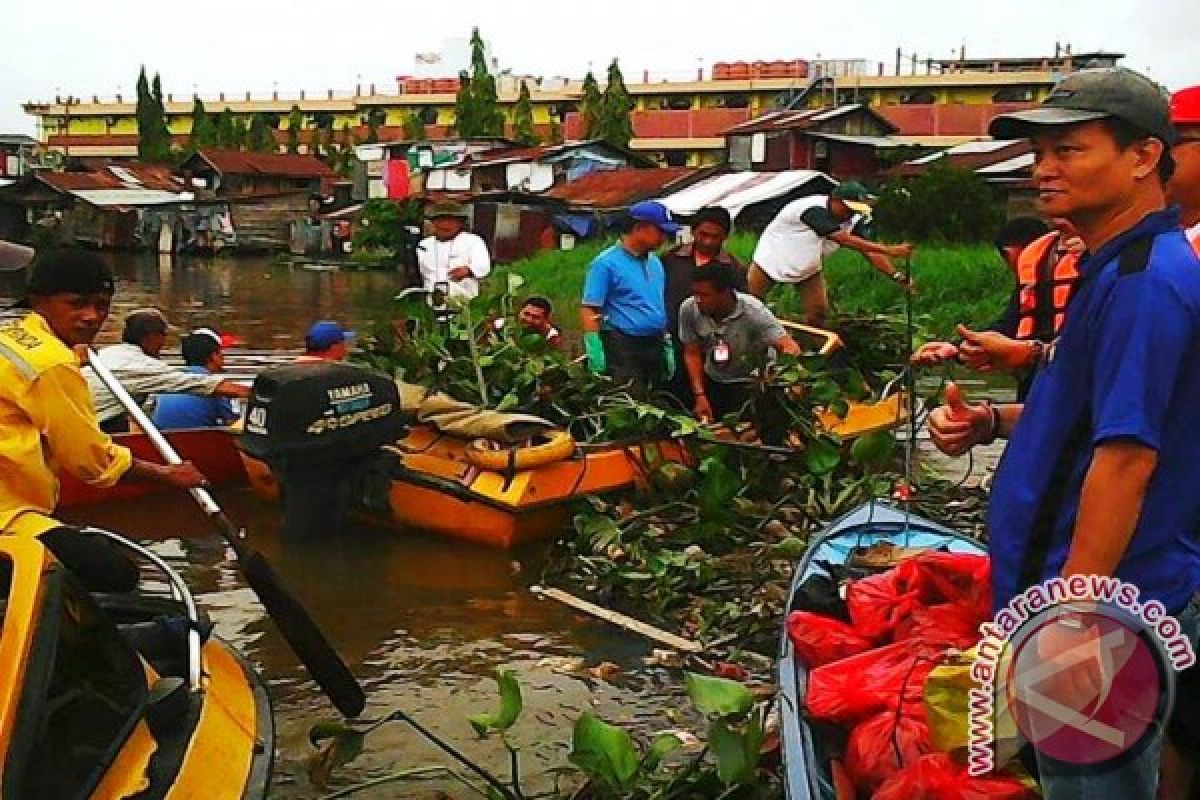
1184, 188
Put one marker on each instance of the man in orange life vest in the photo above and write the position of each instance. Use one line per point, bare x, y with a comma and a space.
1184, 188
1045, 265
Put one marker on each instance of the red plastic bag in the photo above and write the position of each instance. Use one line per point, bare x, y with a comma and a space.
878, 603
949, 624
883, 679
884, 744
939, 777
961, 578
819, 639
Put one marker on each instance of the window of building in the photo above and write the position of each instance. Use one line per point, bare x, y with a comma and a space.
679, 103
918, 97
676, 158
428, 115
735, 101
1013, 94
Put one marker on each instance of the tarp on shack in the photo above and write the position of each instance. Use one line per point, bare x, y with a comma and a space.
737, 191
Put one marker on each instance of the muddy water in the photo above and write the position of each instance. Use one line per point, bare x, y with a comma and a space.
423, 622
266, 303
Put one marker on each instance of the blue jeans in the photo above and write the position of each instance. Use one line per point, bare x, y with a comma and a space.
1136, 779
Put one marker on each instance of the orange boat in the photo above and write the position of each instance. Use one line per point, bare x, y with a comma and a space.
433, 481
213, 451
427, 481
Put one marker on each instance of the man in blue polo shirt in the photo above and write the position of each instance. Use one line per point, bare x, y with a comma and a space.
1099, 477
624, 311
203, 355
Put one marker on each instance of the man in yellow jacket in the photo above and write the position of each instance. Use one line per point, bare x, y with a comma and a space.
46, 418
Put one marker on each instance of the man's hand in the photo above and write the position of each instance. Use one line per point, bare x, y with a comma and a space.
181, 476
702, 408
903, 250
957, 427
459, 273
1081, 672
932, 354
988, 351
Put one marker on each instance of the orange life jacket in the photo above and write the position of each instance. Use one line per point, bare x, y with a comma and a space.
1044, 294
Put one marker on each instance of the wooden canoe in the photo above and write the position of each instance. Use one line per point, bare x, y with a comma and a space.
808, 769
213, 450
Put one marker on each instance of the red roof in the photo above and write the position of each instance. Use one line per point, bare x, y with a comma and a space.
240, 162
618, 188
126, 175
803, 119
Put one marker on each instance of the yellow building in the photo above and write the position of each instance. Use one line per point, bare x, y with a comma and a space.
680, 123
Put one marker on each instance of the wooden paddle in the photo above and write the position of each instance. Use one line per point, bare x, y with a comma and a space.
294, 622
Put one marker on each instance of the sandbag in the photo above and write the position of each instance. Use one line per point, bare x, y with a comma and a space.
819, 639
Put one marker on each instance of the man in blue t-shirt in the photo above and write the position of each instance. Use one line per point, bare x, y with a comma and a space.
203, 355
624, 311
1099, 477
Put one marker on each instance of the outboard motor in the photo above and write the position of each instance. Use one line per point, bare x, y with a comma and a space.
319, 426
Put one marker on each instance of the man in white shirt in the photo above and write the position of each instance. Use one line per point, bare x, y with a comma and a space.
453, 256
795, 244
134, 362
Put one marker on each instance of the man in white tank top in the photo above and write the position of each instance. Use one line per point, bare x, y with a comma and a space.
793, 247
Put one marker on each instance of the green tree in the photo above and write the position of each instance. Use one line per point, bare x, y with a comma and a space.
464, 107
591, 107
154, 138
375, 119
615, 126
228, 131
944, 204
523, 118
259, 138
204, 129
476, 107
294, 124
414, 127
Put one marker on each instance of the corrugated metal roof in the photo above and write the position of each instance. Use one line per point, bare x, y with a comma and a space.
131, 197
869, 141
736, 191
239, 162
967, 148
1021, 162
123, 176
619, 188
803, 119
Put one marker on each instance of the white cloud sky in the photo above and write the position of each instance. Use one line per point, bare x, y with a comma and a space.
84, 47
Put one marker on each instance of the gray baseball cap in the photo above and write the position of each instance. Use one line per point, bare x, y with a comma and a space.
1092, 94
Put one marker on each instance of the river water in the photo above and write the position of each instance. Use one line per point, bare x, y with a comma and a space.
424, 622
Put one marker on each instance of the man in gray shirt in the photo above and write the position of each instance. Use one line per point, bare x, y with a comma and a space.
726, 334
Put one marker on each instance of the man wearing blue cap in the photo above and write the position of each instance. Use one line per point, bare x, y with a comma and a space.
624, 307
326, 340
